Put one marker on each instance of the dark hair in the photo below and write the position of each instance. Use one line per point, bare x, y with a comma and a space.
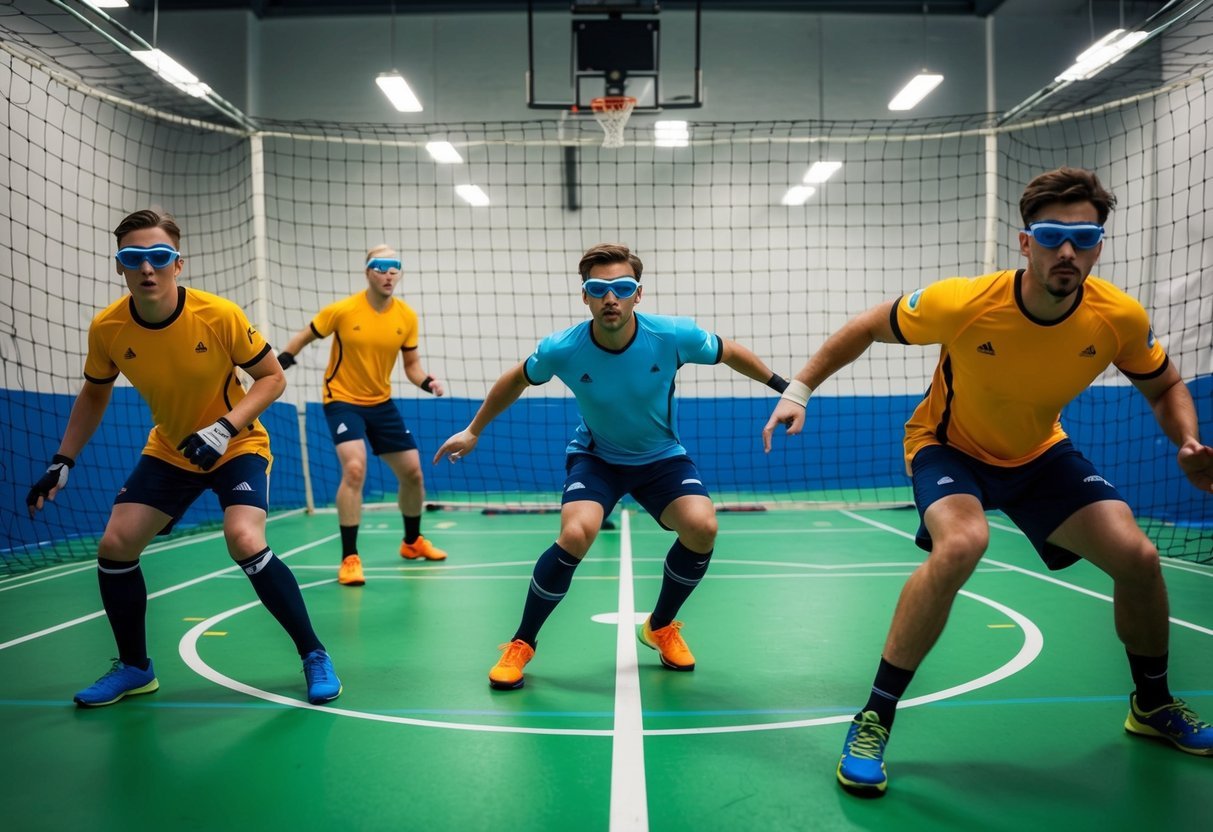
148, 218
604, 253
1066, 185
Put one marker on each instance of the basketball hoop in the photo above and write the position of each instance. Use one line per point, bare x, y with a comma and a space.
612, 112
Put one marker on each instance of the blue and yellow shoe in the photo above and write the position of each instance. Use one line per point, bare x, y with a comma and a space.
322, 682
121, 680
1175, 722
861, 767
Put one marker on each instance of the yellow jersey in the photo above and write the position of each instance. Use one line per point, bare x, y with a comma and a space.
183, 367
365, 346
1003, 376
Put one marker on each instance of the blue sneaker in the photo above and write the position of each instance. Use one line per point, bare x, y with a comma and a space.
861, 768
122, 680
1175, 722
322, 682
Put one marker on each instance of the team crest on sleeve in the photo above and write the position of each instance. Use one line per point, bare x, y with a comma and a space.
1150, 339
912, 303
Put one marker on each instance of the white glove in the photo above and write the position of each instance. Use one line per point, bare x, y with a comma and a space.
205, 447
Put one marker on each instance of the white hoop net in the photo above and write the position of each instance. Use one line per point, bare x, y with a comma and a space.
613, 113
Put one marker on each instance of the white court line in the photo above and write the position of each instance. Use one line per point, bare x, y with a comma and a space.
188, 648
629, 795
1033, 642
75, 568
1037, 575
1172, 563
99, 613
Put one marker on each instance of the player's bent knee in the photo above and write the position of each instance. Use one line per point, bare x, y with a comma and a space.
114, 546
353, 474
244, 542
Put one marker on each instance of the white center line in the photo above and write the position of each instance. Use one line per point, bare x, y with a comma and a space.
629, 797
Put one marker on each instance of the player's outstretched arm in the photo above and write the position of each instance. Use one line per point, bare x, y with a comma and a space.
839, 350
505, 392
1175, 411
86, 415
418, 376
305, 336
741, 359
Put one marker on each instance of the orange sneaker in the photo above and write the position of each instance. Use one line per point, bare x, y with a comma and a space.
421, 548
507, 673
668, 642
350, 573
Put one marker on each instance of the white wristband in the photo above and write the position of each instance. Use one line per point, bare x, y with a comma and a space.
798, 392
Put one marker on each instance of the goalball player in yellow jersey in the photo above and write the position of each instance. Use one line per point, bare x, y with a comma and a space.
1016, 347
369, 330
179, 348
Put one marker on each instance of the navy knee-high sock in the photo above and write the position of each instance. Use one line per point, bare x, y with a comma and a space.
684, 570
276, 587
887, 689
124, 596
549, 583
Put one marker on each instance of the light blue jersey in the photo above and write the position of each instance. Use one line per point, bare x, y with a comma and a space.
625, 397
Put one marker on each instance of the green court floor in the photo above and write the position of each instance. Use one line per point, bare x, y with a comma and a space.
1014, 722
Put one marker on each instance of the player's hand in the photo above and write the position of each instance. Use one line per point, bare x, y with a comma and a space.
1196, 461
433, 386
286, 359
50, 483
205, 447
786, 413
457, 447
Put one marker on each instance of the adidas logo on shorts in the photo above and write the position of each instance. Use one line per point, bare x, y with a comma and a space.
341, 428
944, 480
574, 486
1097, 478
244, 486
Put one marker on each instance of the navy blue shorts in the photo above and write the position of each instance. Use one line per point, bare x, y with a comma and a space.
654, 485
380, 424
241, 481
1038, 496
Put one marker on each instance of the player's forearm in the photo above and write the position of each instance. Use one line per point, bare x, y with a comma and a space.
505, 392
741, 360
299, 340
263, 392
846, 345
1176, 414
87, 412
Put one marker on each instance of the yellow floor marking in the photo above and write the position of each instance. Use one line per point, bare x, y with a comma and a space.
214, 633
1001, 626
193, 618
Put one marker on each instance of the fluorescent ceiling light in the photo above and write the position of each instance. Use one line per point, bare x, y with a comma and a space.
819, 172
472, 195
671, 134
444, 152
171, 71
398, 92
798, 195
915, 91
1103, 53
107, 4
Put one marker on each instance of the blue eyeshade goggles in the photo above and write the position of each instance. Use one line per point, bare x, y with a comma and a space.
1083, 235
159, 256
384, 264
621, 287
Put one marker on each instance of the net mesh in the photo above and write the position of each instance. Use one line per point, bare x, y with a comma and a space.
914, 200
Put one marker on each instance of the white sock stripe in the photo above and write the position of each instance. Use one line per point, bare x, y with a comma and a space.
888, 696
681, 579
123, 571
259, 564
1162, 675
544, 594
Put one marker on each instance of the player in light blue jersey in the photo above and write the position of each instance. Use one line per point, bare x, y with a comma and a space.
620, 367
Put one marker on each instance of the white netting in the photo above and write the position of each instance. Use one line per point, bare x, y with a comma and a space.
613, 113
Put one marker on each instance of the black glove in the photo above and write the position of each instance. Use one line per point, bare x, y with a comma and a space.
777, 383
205, 447
427, 385
286, 360
55, 477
